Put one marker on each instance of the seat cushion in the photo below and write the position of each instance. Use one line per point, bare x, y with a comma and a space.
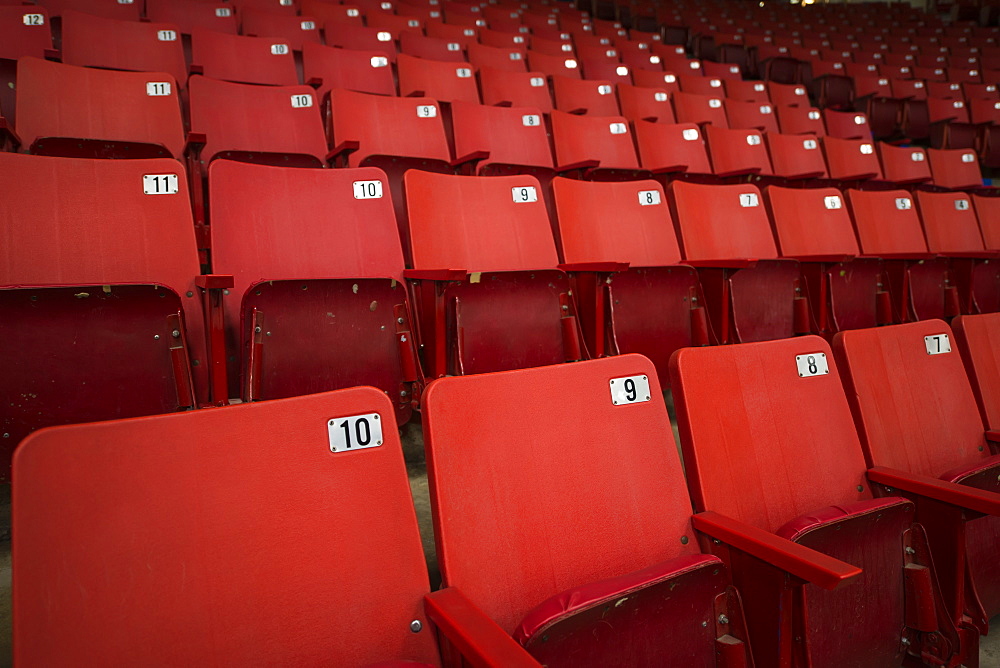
795, 529
577, 599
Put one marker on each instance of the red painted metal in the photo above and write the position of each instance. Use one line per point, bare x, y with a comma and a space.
94, 247
751, 455
243, 59
477, 638
181, 508
651, 308
514, 485
87, 112
510, 307
327, 296
922, 433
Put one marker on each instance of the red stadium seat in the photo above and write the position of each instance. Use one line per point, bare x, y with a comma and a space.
254, 60
599, 147
432, 48
585, 96
831, 539
512, 60
292, 314
309, 559
487, 290
634, 293
84, 112
292, 30
347, 36
392, 133
670, 148
903, 164
518, 89
699, 109
101, 318
192, 15
111, 44
737, 152
922, 431
501, 140
795, 157
361, 71
442, 81
888, 227
618, 584
751, 295
955, 169
851, 159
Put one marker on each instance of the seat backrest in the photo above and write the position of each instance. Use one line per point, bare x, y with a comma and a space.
362, 71
67, 101
721, 222
518, 89
89, 222
979, 341
129, 10
553, 65
650, 104
592, 141
950, 223
747, 91
988, 213
794, 120
215, 548
289, 29
513, 520
694, 108
252, 60
230, 116
346, 35
751, 115
811, 222
886, 222
511, 59
657, 79
737, 151
393, 126
851, 159
672, 148
191, 15
903, 164
343, 224
490, 223
643, 233
955, 168
24, 31
93, 41
441, 80
912, 402
752, 445
846, 124
585, 96
510, 135
795, 156
327, 11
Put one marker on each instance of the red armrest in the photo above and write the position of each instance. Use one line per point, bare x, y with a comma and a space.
435, 274
315, 82
342, 149
993, 436
798, 560
728, 263
606, 267
477, 637
475, 156
970, 498
214, 281
196, 69
53, 54
831, 259
583, 164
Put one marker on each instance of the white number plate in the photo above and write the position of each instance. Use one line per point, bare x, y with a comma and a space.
34, 19
753, 140
649, 197
380, 61
157, 88
279, 49
812, 365
531, 120
367, 189
629, 390
903, 203
166, 35
223, 12
427, 111
749, 199
866, 149
536, 82
937, 344
660, 97
809, 144
961, 205
160, 184
524, 194
308, 25
604, 90
355, 432
832, 202
618, 128
302, 101
917, 156
714, 103
968, 157
463, 73
690, 134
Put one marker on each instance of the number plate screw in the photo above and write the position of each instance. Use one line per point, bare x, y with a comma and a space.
415, 626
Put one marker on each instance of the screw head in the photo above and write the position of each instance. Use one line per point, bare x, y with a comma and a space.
909, 550
723, 619
399, 320
415, 626
684, 540
176, 333
156, 337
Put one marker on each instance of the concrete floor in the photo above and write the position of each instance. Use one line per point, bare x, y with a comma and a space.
414, 449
